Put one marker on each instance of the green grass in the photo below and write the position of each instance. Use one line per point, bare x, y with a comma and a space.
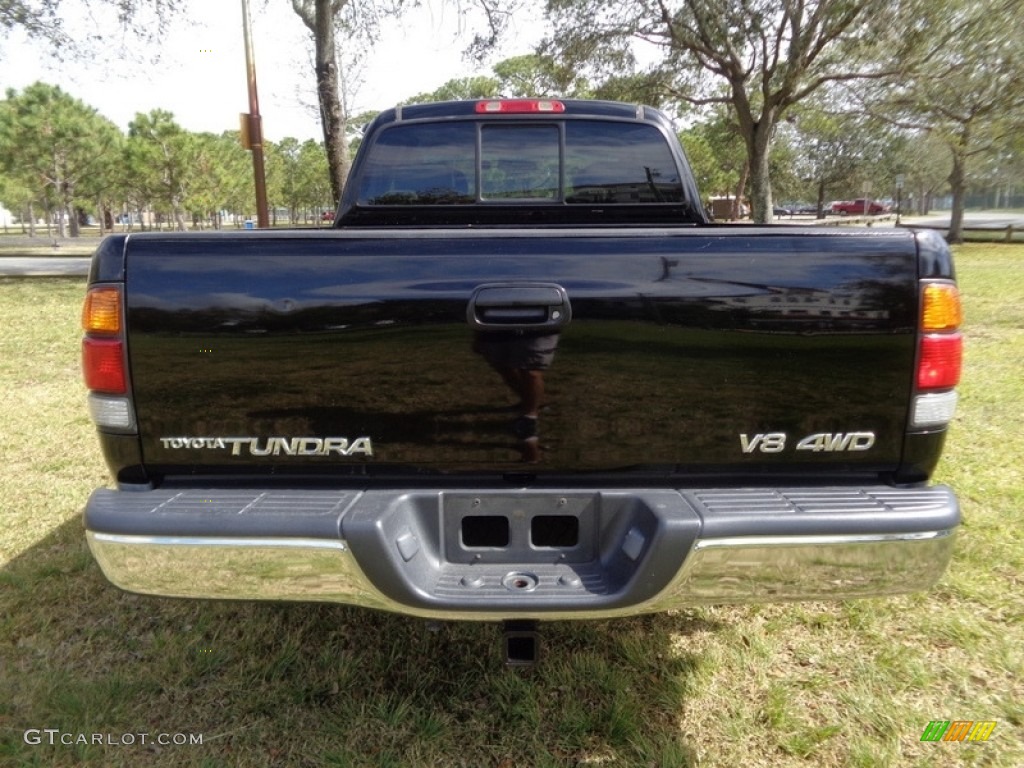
814, 684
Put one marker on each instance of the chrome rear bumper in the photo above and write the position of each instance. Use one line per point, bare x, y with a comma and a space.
622, 552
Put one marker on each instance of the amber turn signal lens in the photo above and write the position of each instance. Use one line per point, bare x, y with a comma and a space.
941, 308
101, 312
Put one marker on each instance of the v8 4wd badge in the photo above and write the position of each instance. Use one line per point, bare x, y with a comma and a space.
819, 442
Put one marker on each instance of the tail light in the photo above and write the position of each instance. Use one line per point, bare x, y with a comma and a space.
939, 355
101, 313
519, 106
104, 366
941, 309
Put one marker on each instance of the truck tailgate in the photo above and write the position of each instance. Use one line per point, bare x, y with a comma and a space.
724, 350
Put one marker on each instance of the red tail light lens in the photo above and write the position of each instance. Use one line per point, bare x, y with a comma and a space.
103, 365
940, 361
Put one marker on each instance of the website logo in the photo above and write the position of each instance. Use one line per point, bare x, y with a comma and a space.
958, 730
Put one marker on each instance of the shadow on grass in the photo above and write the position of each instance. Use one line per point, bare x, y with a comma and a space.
308, 684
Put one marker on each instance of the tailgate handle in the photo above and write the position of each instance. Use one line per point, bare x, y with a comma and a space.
519, 306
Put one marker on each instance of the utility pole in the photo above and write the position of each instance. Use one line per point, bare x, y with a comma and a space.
254, 125
899, 197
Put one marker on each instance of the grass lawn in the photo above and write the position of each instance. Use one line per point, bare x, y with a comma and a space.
815, 684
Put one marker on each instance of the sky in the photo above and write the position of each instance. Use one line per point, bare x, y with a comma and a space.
201, 75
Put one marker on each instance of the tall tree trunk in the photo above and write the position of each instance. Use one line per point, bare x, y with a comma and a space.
72, 210
741, 187
58, 189
320, 20
178, 215
757, 136
758, 147
958, 186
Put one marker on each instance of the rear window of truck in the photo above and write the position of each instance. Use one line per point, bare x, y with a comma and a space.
572, 162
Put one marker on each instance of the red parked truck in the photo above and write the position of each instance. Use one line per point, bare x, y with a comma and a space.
859, 207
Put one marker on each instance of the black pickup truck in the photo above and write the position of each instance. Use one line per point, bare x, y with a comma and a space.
522, 377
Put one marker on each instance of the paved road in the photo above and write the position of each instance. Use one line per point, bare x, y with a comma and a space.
972, 219
46, 266
74, 262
